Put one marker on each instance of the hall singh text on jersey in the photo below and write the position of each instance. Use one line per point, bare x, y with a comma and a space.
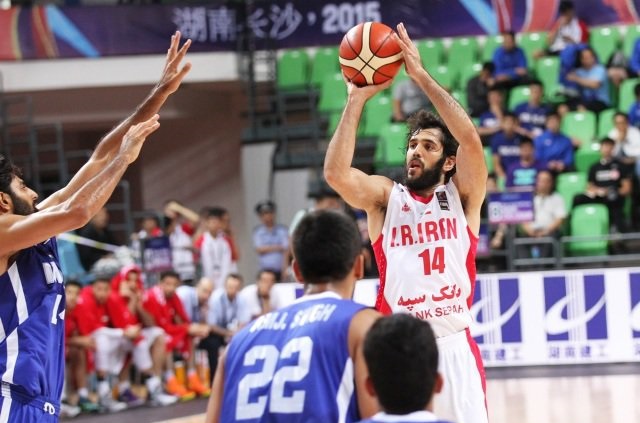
281, 321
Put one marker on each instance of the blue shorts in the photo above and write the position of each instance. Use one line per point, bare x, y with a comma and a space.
15, 411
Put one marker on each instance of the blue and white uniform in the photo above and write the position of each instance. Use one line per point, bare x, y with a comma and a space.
32, 305
293, 365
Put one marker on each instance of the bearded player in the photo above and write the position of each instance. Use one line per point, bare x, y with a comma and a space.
32, 300
425, 231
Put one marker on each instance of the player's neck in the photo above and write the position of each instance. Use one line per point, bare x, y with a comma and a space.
344, 289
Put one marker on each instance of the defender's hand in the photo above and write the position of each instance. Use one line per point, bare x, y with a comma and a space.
135, 138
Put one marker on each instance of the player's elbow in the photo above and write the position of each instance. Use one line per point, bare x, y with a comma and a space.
333, 175
78, 215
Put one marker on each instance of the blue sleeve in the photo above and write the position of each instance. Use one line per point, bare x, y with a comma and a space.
538, 149
568, 152
633, 117
635, 57
498, 61
215, 313
257, 241
495, 143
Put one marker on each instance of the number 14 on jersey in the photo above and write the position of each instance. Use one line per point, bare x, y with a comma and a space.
433, 260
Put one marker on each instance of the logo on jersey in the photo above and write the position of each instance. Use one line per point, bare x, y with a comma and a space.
634, 280
442, 200
496, 311
406, 208
51, 273
575, 308
49, 408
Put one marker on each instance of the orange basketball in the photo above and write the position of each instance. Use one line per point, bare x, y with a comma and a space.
369, 55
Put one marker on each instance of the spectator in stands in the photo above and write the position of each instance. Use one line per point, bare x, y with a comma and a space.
216, 252
167, 310
549, 213
408, 98
510, 63
554, 150
609, 183
255, 300
621, 67
478, 90
227, 232
627, 139
222, 318
505, 145
78, 347
150, 228
567, 30
195, 301
593, 84
521, 176
97, 230
532, 114
491, 120
180, 226
271, 240
634, 110
144, 340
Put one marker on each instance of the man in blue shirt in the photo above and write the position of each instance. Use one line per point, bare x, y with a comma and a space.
32, 295
510, 62
592, 81
532, 115
406, 379
505, 145
271, 240
554, 149
303, 362
521, 176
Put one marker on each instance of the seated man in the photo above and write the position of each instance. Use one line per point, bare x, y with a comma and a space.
521, 176
592, 81
408, 98
609, 183
532, 114
168, 312
255, 300
505, 145
404, 380
554, 150
145, 341
78, 347
510, 62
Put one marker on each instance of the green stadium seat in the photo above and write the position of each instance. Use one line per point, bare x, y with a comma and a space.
581, 125
589, 220
569, 184
490, 45
605, 41
605, 122
531, 42
333, 94
488, 159
461, 96
586, 157
292, 70
391, 146
548, 71
627, 97
518, 95
630, 37
462, 52
431, 52
377, 114
467, 73
324, 63
444, 75
334, 119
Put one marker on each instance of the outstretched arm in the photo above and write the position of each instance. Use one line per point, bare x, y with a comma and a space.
359, 190
19, 232
214, 406
108, 147
471, 170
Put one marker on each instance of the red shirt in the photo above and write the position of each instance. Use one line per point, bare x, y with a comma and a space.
91, 314
169, 314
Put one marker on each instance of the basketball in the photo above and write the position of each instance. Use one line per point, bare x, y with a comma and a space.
369, 55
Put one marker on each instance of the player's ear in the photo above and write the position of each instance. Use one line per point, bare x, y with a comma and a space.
296, 270
437, 387
5, 202
358, 267
368, 385
449, 163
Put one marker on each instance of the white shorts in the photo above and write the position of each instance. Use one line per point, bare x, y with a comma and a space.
463, 398
112, 349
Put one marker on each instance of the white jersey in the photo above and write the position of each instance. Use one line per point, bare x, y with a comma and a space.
426, 257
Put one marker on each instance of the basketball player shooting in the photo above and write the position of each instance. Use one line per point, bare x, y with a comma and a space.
425, 231
32, 301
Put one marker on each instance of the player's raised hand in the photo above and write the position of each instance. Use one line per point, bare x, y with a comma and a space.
412, 61
173, 74
365, 92
135, 137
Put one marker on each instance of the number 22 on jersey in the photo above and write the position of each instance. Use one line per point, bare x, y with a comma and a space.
270, 356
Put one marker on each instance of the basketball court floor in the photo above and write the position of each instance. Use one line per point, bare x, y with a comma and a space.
560, 394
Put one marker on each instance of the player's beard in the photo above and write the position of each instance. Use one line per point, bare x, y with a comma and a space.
428, 179
21, 207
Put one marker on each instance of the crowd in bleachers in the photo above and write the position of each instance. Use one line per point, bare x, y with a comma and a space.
142, 331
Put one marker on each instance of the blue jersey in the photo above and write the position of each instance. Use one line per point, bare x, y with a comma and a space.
293, 365
415, 417
32, 305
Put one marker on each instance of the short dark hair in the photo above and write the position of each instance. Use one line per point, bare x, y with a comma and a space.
623, 114
508, 32
261, 271
73, 282
489, 66
237, 276
169, 274
425, 120
536, 82
607, 140
7, 172
325, 246
217, 212
510, 115
402, 356
565, 6
101, 278
526, 140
